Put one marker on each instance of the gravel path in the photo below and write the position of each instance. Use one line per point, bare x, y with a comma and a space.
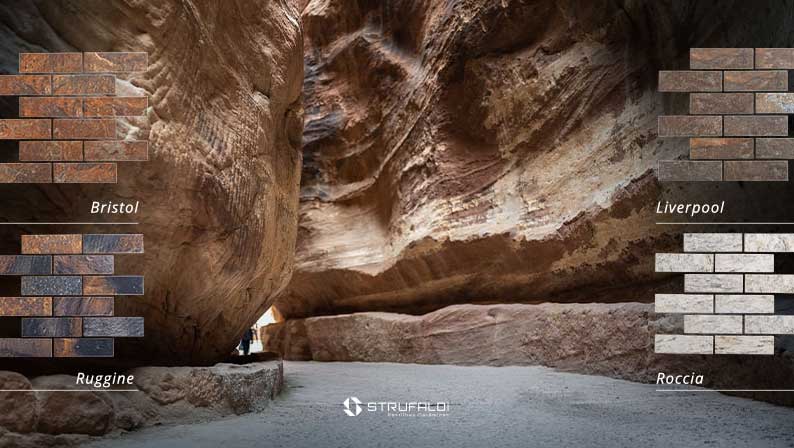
490, 407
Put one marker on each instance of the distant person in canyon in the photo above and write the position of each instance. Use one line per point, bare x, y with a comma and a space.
245, 342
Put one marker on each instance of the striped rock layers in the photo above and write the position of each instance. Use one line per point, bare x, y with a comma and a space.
67, 295
728, 302
67, 117
738, 124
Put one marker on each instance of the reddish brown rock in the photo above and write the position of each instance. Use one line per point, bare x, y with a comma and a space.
90, 129
25, 173
83, 85
84, 173
50, 107
14, 129
50, 151
25, 85
52, 244
50, 62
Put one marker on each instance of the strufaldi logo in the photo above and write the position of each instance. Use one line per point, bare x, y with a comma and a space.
354, 407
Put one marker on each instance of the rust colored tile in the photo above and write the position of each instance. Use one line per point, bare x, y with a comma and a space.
82, 306
117, 150
756, 125
781, 58
720, 103
84, 173
756, 170
82, 264
25, 306
690, 81
87, 129
50, 62
127, 106
52, 244
59, 151
25, 85
82, 347
721, 148
750, 81
14, 129
83, 85
49, 106
44, 327
690, 126
720, 58
25, 348
114, 62
113, 285
25, 173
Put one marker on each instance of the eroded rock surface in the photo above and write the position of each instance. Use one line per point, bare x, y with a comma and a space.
167, 395
219, 194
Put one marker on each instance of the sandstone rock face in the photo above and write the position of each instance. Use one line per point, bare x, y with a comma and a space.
219, 194
167, 395
615, 340
460, 151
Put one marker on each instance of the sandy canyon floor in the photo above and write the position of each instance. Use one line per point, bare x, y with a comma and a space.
489, 406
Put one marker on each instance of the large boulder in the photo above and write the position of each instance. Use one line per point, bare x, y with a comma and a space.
218, 198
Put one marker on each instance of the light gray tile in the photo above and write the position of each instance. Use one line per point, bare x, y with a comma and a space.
744, 345
712, 324
684, 263
769, 283
712, 242
769, 242
684, 303
744, 303
713, 283
744, 263
769, 324
684, 344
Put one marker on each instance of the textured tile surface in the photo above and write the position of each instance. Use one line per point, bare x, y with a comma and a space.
756, 81
691, 126
684, 262
25, 265
690, 170
25, 173
684, 344
713, 283
766, 324
87, 128
756, 170
769, 242
721, 148
744, 345
720, 58
744, 263
84, 173
50, 62
712, 324
113, 243
744, 303
46, 106
82, 264
755, 125
25, 348
82, 347
114, 62
52, 244
770, 58
48, 327
690, 81
720, 103
113, 285
25, 128
58, 150
684, 303
83, 85
113, 327
25, 306
769, 283
25, 85
82, 306
712, 242
774, 103
52, 286
774, 148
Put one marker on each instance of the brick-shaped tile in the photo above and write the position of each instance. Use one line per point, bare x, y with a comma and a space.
744, 345
712, 242
744, 303
720, 58
769, 242
690, 81
21, 129
744, 263
48, 327
25, 85
756, 170
690, 126
52, 244
684, 303
113, 327
25, 348
55, 150
25, 306
720, 103
713, 283
86, 129
769, 283
756, 81
774, 148
50, 62
84, 173
111, 285
83, 347
25, 173
50, 106
755, 125
25, 264
683, 344
774, 58
113, 243
711, 324
721, 148
83, 85
690, 170
52, 286
766, 324
82, 306
684, 262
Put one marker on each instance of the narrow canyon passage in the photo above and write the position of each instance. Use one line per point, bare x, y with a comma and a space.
516, 406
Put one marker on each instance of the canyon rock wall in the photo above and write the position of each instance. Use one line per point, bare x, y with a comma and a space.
460, 151
219, 195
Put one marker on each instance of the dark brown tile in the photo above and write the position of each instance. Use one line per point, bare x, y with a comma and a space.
751, 81
82, 264
690, 126
25, 306
25, 348
755, 125
720, 103
772, 58
721, 148
774, 148
690, 170
720, 58
690, 81
756, 170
